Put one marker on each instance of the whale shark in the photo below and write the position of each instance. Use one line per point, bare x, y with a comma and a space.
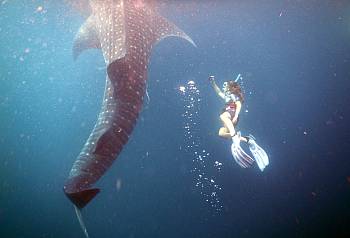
125, 31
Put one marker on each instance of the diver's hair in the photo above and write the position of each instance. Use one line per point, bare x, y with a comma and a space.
234, 88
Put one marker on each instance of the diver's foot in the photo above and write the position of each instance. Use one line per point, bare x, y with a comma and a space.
250, 138
236, 137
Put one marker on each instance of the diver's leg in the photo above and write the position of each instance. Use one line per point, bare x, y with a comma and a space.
226, 119
224, 132
244, 139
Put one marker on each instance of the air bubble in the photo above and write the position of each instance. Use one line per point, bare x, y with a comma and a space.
204, 179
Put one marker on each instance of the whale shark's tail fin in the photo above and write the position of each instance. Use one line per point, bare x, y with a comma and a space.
81, 221
80, 199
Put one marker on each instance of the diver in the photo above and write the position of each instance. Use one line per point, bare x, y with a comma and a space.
233, 96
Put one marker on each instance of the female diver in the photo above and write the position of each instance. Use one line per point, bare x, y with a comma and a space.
232, 95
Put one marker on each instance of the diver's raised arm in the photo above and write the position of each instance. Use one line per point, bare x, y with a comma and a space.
216, 88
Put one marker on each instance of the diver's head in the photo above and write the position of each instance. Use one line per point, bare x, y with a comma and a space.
231, 86
234, 88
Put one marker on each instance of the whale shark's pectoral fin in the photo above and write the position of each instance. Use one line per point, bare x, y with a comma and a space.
86, 38
166, 28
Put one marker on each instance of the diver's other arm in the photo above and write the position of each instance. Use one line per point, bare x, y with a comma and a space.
216, 88
238, 110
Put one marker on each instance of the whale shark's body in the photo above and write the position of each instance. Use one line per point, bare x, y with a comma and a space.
125, 31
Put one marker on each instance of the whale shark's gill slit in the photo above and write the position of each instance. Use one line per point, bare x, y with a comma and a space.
81, 221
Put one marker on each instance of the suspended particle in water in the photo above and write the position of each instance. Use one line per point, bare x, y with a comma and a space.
118, 184
39, 9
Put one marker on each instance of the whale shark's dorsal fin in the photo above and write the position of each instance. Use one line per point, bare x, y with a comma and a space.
86, 38
107, 27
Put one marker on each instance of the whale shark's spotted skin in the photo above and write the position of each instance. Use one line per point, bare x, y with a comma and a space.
125, 31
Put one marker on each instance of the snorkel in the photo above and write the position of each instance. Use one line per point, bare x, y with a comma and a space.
239, 76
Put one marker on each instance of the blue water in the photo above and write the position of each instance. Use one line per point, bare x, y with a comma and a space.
295, 59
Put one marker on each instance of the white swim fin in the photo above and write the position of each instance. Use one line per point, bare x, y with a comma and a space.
259, 153
239, 155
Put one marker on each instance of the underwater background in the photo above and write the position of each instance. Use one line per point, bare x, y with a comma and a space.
294, 57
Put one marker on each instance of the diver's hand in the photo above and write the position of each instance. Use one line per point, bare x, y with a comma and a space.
211, 78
